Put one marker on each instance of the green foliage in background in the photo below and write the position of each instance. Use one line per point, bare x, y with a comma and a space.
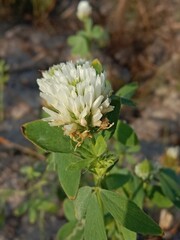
87, 39
37, 9
37, 200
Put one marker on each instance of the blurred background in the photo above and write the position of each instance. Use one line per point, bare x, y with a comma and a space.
143, 46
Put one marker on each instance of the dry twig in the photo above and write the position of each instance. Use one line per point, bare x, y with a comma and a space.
10, 145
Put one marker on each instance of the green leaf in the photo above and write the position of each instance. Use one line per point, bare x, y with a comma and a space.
113, 117
127, 234
158, 198
87, 155
127, 102
127, 91
81, 202
32, 213
69, 179
97, 66
47, 137
86, 149
94, 227
170, 185
51, 163
100, 146
48, 206
79, 45
68, 207
135, 191
97, 32
129, 214
125, 134
114, 181
20, 210
100, 36
81, 164
71, 231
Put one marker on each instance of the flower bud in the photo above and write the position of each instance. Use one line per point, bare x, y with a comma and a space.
83, 10
143, 169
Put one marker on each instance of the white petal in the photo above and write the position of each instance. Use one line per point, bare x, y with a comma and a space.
96, 117
89, 95
97, 102
70, 128
84, 113
83, 122
98, 87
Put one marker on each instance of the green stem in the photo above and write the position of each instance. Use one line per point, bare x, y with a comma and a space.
88, 26
97, 180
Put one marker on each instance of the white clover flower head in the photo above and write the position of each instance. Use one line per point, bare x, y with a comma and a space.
173, 152
84, 10
77, 97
